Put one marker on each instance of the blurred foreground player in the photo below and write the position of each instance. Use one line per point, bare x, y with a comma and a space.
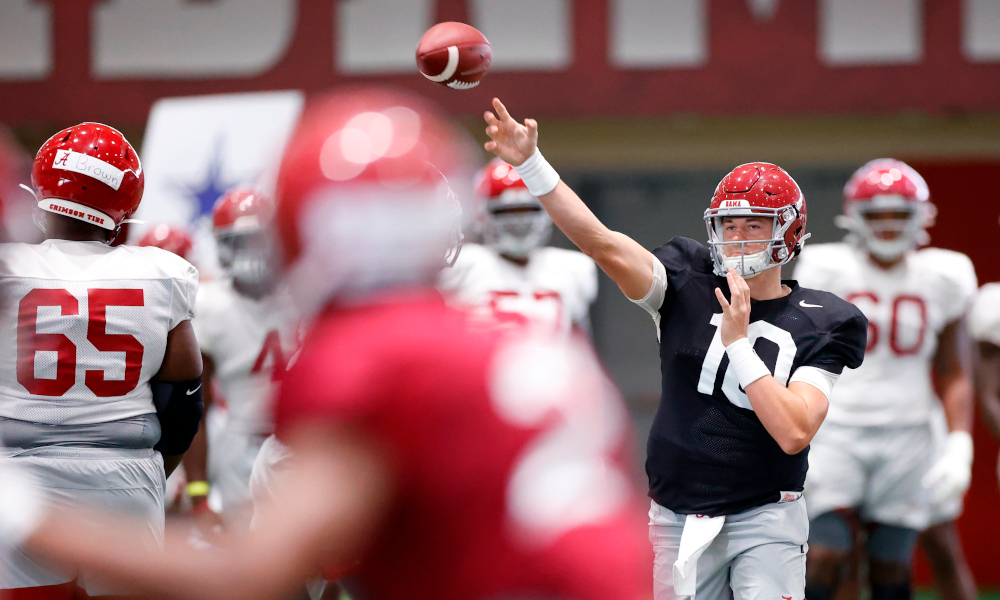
247, 330
452, 464
513, 279
727, 452
99, 369
875, 460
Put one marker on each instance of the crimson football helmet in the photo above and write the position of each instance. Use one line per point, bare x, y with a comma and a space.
758, 190
363, 194
514, 223
91, 173
171, 239
886, 188
242, 221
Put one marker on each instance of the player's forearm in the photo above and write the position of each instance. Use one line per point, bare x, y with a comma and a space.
791, 418
116, 552
625, 261
957, 399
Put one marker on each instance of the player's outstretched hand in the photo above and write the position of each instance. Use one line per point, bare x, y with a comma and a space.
736, 312
510, 140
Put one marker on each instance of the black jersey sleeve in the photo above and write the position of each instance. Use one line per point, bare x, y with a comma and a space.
844, 336
681, 255
683, 259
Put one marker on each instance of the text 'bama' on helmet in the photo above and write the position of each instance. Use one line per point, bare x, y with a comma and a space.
364, 194
757, 190
242, 221
887, 208
89, 172
514, 221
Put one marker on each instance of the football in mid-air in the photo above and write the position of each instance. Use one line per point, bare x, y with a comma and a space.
454, 54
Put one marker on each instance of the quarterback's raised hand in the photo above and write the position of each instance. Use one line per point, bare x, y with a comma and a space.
510, 140
736, 312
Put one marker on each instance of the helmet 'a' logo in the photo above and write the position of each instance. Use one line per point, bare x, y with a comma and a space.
61, 157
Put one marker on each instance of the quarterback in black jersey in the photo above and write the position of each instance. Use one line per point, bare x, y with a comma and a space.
748, 364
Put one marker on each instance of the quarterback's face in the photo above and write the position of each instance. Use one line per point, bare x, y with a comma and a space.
740, 229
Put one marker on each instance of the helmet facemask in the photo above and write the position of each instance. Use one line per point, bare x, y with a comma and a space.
455, 236
248, 257
888, 226
750, 258
516, 225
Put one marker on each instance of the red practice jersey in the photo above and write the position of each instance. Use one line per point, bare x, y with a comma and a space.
505, 452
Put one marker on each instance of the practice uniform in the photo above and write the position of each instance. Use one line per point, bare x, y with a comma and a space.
553, 291
877, 442
477, 426
984, 318
249, 342
709, 456
86, 328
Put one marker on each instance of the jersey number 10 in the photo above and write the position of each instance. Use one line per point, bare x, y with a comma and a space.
30, 342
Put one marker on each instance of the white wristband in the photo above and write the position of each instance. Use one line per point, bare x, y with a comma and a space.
20, 504
745, 362
538, 174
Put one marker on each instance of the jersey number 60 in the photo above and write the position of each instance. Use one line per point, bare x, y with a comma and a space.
30, 341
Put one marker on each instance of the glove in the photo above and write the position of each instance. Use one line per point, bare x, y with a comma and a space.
949, 477
20, 503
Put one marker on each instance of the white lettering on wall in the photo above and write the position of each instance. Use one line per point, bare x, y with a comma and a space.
526, 34
380, 36
25, 39
184, 39
658, 33
865, 32
981, 30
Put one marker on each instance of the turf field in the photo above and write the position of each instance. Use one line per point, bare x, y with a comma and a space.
926, 594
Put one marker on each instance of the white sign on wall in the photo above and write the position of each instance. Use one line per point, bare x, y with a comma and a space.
180, 38
196, 148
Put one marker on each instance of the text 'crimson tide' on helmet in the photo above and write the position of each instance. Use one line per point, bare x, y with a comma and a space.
171, 239
757, 190
242, 221
514, 221
887, 208
364, 194
89, 172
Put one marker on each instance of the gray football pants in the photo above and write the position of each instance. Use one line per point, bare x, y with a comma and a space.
759, 554
129, 482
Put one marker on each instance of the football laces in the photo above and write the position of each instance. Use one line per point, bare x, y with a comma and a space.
462, 85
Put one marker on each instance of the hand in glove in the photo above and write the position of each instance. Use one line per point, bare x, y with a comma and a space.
949, 477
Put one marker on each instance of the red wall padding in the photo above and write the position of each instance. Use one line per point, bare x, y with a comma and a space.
967, 196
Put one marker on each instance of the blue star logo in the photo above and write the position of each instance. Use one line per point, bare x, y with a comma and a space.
212, 188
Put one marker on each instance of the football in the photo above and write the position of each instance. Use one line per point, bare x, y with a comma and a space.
454, 54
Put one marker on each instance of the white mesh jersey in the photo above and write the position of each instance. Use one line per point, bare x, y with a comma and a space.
553, 290
85, 328
907, 308
984, 316
250, 342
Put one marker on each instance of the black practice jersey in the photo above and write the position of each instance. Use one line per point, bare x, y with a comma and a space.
708, 453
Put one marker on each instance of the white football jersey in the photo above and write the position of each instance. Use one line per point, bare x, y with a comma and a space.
984, 316
553, 290
85, 328
249, 342
907, 308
